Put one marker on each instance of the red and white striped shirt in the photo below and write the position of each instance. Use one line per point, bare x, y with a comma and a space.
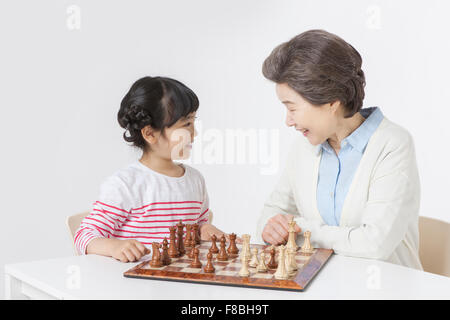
139, 203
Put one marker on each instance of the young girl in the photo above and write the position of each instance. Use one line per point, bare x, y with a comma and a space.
137, 204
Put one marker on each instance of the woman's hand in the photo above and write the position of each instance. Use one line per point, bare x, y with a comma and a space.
128, 250
276, 230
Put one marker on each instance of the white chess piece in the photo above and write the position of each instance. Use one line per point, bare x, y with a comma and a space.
307, 248
290, 262
262, 263
245, 247
281, 273
291, 239
254, 260
244, 272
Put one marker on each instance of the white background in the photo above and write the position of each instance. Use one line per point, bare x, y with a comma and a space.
61, 88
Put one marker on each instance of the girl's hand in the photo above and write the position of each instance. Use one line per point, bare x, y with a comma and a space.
128, 250
207, 230
276, 230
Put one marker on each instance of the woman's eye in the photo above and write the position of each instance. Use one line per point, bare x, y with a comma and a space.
188, 124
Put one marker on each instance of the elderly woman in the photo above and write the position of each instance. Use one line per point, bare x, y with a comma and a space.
351, 177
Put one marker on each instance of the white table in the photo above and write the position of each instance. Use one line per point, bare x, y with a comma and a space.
97, 277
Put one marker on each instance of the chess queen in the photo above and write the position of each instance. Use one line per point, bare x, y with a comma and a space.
351, 177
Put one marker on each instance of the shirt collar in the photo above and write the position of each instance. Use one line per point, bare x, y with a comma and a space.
360, 137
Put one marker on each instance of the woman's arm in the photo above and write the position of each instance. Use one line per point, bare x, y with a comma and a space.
393, 203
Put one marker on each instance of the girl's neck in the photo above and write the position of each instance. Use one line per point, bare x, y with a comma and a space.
161, 165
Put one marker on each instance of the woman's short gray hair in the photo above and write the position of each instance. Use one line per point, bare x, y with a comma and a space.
321, 67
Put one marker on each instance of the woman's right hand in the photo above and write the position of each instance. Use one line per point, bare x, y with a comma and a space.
276, 230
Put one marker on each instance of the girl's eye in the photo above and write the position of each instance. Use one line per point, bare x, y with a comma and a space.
188, 124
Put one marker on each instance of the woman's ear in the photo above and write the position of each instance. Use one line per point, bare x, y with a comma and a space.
149, 134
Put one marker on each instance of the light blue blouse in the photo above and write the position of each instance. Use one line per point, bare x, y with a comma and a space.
336, 171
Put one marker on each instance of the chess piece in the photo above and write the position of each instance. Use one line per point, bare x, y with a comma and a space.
165, 259
291, 239
244, 272
289, 263
232, 249
245, 246
187, 240
191, 253
214, 248
196, 262
173, 249
156, 256
222, 256
180, 242
262, 263
294, 265
281, 273
272, 262
209, 268
196, 234
254, 259
307, 248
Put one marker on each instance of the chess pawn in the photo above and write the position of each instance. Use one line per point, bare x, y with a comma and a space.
165, 259
196, 263
272, 262
156, 256
214, 248
281, 273
232, 249
209, 268
244, 272
254, 260
187, 240
262, 263
307, 248
222, 256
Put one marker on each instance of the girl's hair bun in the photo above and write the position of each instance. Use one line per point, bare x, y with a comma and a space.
155, 101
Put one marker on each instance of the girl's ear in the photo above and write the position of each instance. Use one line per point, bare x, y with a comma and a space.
150, 135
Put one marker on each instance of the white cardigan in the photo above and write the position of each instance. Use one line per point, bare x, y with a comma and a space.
380, 215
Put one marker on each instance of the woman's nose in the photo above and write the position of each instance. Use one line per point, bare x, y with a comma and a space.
289, 121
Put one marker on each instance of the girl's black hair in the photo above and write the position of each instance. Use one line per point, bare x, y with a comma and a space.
156, 101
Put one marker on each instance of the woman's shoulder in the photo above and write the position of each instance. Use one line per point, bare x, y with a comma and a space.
392, 135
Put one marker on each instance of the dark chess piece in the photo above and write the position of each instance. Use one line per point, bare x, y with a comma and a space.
222, 256
214, 248
165, 259
187, 240
180, 243
272, 262
209, 268
173, 249
191, 253
232, 249
156, 256
195, 233
196, 263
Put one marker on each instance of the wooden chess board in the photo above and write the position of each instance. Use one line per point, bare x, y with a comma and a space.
226, 272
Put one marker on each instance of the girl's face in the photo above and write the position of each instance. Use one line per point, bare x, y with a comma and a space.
317, 123
176, 143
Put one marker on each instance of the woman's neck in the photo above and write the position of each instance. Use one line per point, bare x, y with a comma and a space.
161, 165
344, 129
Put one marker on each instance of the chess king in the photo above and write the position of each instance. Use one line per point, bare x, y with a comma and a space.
319, 79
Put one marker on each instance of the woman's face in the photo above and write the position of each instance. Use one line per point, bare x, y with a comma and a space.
317, 123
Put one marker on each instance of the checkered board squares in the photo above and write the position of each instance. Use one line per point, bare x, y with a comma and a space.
227, 272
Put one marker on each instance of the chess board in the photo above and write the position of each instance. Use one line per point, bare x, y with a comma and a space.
226, 272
